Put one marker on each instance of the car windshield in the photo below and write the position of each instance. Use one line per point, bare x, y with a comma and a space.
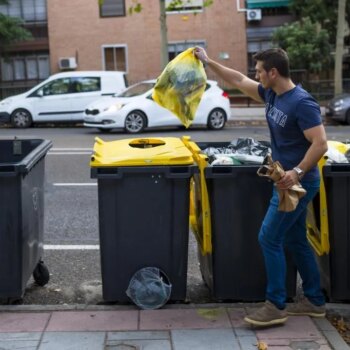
136, 90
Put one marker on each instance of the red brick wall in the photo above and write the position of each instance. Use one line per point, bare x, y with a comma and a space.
76, 29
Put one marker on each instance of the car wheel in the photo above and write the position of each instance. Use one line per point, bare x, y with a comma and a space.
135, 122
217, 119
21, 118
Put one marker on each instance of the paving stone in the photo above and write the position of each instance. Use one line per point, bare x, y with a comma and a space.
13, 341
248, 342
323, 324
184, 318
335, 340
237, 317
73, 341
204, 339
297, 327
145, 335
304, 345
139, 345
93, 321
20, 322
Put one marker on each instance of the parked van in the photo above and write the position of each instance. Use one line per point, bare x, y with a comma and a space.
62, 97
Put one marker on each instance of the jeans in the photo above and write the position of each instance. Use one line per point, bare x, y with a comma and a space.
281, 230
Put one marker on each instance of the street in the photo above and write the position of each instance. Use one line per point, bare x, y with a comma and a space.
71, 236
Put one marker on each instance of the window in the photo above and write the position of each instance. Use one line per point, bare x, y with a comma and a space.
177, 47
112, 8
187, 5
56, 87
114, 58
25, 67
28, 10
86, 84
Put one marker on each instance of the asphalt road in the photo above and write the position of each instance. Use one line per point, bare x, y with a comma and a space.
71, 235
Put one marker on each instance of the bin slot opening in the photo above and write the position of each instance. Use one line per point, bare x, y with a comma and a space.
107, 171
221, 169
146, 143
179, 170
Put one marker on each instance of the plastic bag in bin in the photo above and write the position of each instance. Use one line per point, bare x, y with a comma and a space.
181, 85
149, 288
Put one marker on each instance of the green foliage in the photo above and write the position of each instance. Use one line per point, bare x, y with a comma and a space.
137, 8
11, 31
306, 43
174, 5
324, 12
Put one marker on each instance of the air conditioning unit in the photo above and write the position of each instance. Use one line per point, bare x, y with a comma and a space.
254, 15
67, 63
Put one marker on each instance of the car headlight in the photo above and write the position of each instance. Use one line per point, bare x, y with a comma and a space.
338, 103
114, 108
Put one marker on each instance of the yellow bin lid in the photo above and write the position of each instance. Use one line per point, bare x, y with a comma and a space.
140, 152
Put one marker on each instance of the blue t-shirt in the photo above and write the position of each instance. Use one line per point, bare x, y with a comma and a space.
288, 115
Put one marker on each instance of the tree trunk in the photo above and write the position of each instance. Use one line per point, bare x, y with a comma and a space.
339, 50
163, 35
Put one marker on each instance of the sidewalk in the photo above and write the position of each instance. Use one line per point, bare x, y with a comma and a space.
251, 114
174, 327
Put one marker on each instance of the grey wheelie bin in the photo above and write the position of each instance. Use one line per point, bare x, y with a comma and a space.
329, 226
143, 197
230, 257
22, 169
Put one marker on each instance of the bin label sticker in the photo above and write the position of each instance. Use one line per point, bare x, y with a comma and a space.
35, 198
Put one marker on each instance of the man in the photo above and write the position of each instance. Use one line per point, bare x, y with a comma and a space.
298, 141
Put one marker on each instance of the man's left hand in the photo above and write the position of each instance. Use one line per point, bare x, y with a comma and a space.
289, 179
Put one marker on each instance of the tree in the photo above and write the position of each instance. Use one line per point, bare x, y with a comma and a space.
324, 12
11, 30
335, 20
339, 49
306, 43
173, 5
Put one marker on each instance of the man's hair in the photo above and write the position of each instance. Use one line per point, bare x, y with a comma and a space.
274, 58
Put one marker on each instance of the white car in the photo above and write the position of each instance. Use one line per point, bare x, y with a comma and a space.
134, 110
62, 97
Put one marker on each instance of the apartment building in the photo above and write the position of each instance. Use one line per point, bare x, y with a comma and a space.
107, 37
26, 63
82, 35
88, 35
263, 17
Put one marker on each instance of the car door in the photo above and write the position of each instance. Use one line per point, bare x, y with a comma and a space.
52, 101
85, 90
160, 116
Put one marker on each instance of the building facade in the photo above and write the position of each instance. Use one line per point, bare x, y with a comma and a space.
108, 37
84, 35
26, 63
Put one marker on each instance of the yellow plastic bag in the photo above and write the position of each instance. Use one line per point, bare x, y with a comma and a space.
181, 85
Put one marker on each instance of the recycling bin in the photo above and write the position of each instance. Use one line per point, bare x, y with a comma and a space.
232, 265
335, 266
143, 198
22, 169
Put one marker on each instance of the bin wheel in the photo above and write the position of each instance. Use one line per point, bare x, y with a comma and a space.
41, 274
